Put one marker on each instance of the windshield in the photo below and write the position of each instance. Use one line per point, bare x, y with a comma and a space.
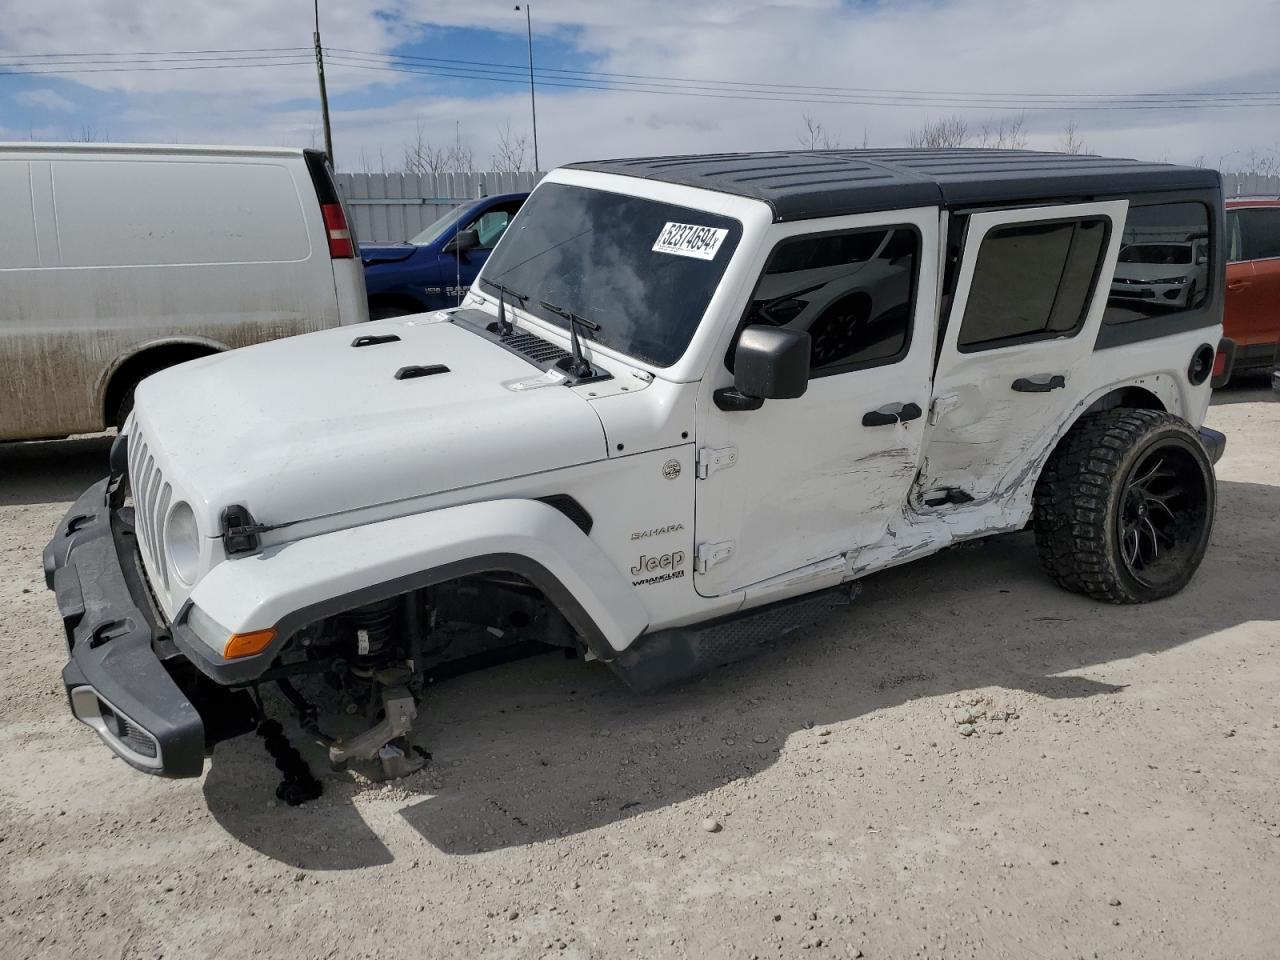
1169, 253
643, 270
433, 232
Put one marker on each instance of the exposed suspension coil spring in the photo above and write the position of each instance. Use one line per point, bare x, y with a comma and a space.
377, 623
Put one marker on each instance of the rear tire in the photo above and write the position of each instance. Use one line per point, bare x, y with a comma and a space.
125, 407
1124, 507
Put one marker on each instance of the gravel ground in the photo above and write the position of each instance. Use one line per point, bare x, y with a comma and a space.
1115, 794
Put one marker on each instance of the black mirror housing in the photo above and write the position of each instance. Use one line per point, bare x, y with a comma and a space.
463, 241
772, 363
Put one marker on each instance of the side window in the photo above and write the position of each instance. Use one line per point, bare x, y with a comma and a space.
491, 224
1260, 228
1032, 281
1163, 266
852, 292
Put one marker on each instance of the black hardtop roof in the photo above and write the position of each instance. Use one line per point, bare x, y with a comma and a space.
801, 185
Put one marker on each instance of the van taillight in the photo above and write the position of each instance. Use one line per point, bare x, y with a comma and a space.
335, 225
1220, 363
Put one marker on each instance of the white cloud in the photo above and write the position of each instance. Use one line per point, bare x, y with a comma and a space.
1020, 46
45, 99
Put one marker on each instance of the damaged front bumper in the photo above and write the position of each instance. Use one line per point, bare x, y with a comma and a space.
125, 679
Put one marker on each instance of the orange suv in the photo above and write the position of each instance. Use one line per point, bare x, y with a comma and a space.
1252, 314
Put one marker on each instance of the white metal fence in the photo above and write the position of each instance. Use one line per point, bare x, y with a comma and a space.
1250, 185
389, 207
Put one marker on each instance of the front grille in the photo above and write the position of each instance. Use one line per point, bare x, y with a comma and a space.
535, 348
151, 499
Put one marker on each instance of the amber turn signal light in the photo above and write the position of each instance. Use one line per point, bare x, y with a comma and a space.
247, 644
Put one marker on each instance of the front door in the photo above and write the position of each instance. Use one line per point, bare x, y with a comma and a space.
800, 483
1029, 297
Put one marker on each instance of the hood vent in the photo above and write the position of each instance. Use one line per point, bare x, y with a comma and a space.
535, 348
541, 353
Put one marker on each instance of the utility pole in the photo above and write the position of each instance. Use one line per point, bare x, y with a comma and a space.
533, 103
324, 96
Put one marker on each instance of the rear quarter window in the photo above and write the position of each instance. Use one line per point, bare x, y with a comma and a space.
1164, 263
157, 212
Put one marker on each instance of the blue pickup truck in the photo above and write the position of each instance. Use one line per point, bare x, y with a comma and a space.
435, 268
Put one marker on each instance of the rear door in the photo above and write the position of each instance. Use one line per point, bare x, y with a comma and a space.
1258, 301
1029, 297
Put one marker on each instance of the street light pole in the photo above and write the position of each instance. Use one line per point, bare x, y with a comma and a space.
533, 103
324, 95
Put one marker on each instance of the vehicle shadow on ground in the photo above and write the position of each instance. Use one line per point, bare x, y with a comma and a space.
51, 471
1246, 388
546, 748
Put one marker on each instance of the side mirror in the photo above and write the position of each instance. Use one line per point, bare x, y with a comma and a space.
463, 241
770, 363
1201, 261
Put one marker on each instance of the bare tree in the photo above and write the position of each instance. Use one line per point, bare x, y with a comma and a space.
1008, 134
425, 158
370, 165
513, 149
1260, 163
952, 131
1071, 141
88, 134
814, 136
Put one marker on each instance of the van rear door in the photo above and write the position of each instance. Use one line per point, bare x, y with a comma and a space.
348, 270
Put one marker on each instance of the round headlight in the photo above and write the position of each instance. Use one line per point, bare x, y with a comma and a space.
182, 541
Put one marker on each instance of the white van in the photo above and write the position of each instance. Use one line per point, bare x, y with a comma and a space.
120, 260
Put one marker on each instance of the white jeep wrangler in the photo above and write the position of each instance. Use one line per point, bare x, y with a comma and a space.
685, 395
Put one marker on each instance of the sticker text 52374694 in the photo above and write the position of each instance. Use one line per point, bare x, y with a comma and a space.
690, 240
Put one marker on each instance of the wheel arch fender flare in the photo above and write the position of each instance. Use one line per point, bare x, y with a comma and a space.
287, 586
1145, 392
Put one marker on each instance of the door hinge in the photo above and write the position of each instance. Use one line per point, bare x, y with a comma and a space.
941, 406
707, 555
711, 459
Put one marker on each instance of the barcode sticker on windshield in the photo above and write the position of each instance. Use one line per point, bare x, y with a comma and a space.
689, 240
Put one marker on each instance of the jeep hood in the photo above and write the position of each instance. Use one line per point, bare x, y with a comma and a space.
311, 426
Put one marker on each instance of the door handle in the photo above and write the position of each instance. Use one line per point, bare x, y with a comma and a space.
892, 413
1040, 384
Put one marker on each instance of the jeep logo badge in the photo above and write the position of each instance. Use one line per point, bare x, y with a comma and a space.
671, 469
667, 561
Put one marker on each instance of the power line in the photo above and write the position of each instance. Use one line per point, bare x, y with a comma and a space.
463, 73
230, 60
659, 85
149, 53
307, 60
808, 87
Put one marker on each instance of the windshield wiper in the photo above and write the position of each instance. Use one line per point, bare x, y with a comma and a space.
581, 368
504, 325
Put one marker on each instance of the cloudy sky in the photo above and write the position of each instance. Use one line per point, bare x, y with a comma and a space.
453, 69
